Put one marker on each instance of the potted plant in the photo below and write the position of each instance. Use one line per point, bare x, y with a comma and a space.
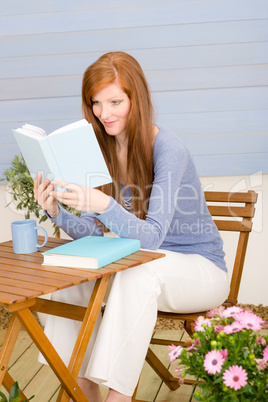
228, 355
13, 395
20, 186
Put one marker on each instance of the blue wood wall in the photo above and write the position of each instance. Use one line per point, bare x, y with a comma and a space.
206, 62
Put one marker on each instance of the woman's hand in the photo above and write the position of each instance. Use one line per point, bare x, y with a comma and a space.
42, 195
81, 198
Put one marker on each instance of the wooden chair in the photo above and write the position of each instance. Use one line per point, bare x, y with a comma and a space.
233, 218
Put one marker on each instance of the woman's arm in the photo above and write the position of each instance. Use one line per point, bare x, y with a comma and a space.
170, 162
77, 227
74, 226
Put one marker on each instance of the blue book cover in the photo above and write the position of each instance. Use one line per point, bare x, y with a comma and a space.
90, 252
71, 154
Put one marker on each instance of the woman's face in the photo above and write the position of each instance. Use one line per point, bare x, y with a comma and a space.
111, 106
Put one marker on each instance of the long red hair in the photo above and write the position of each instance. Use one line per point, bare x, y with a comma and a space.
126, 70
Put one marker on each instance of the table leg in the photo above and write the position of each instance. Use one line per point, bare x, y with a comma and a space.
85, 332
8, 345
51, 356
8, 382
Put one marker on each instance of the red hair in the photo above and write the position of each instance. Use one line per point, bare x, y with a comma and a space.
123, 68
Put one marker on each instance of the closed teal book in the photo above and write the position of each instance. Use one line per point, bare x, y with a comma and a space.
90, 252
71, 153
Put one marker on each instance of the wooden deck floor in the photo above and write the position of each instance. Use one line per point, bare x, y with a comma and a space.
39, 380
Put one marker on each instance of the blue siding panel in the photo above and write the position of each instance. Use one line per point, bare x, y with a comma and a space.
159, 80
206, 63
135, 38
150, 59
132, 16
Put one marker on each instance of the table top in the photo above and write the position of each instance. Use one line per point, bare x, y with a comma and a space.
23, 277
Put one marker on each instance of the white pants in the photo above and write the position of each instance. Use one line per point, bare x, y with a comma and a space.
118, 346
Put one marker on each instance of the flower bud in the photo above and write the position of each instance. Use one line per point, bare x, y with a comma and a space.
214, 344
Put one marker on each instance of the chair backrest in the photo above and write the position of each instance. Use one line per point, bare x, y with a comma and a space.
233, 212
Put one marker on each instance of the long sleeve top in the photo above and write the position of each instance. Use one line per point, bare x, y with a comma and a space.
177, 218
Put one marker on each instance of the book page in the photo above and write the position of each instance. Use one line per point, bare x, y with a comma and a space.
34, 129
71, 126
31, 134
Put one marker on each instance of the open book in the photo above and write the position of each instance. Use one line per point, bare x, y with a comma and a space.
71, 154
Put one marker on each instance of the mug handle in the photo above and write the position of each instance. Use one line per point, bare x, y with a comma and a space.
46, 236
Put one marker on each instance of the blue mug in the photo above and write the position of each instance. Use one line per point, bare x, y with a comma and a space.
24, 236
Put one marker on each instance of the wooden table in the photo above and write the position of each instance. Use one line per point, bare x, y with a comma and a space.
23, 280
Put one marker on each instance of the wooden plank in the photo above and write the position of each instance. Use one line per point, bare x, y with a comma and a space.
224, 196
233, 226
10, 298
246, 212
150, 59
26, 367
23, 343
13, 290
184, 392
167, 102
159, 80
199, 145
51, 281
43, 385
219, 124
51, 5
119, 17
43, 289
211, 100
228, 164
134, 38
198, 101
224, 165
150, 383
226, 144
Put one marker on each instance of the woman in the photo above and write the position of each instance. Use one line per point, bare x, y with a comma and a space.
155, 197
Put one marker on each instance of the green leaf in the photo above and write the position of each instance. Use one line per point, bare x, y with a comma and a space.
17, 399
29, 398
3, 397
14, 392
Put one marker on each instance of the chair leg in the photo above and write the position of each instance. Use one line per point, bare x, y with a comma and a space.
162, 371
189, 327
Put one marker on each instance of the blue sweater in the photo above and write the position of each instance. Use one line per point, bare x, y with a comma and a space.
177, 218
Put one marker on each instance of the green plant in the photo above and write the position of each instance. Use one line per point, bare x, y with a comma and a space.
13, 395
228, 355
20, 186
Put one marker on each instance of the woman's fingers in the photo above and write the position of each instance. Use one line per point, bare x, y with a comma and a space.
75, 196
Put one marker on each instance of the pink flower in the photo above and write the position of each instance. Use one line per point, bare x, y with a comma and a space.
213, 362
194, 346
217, 311
265, 354
179, 372
197, 343
261, 364
224, 353
235, 377
249, 320
200, 322
234, 327
218, 328
175, 352
260, 340
231, 311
